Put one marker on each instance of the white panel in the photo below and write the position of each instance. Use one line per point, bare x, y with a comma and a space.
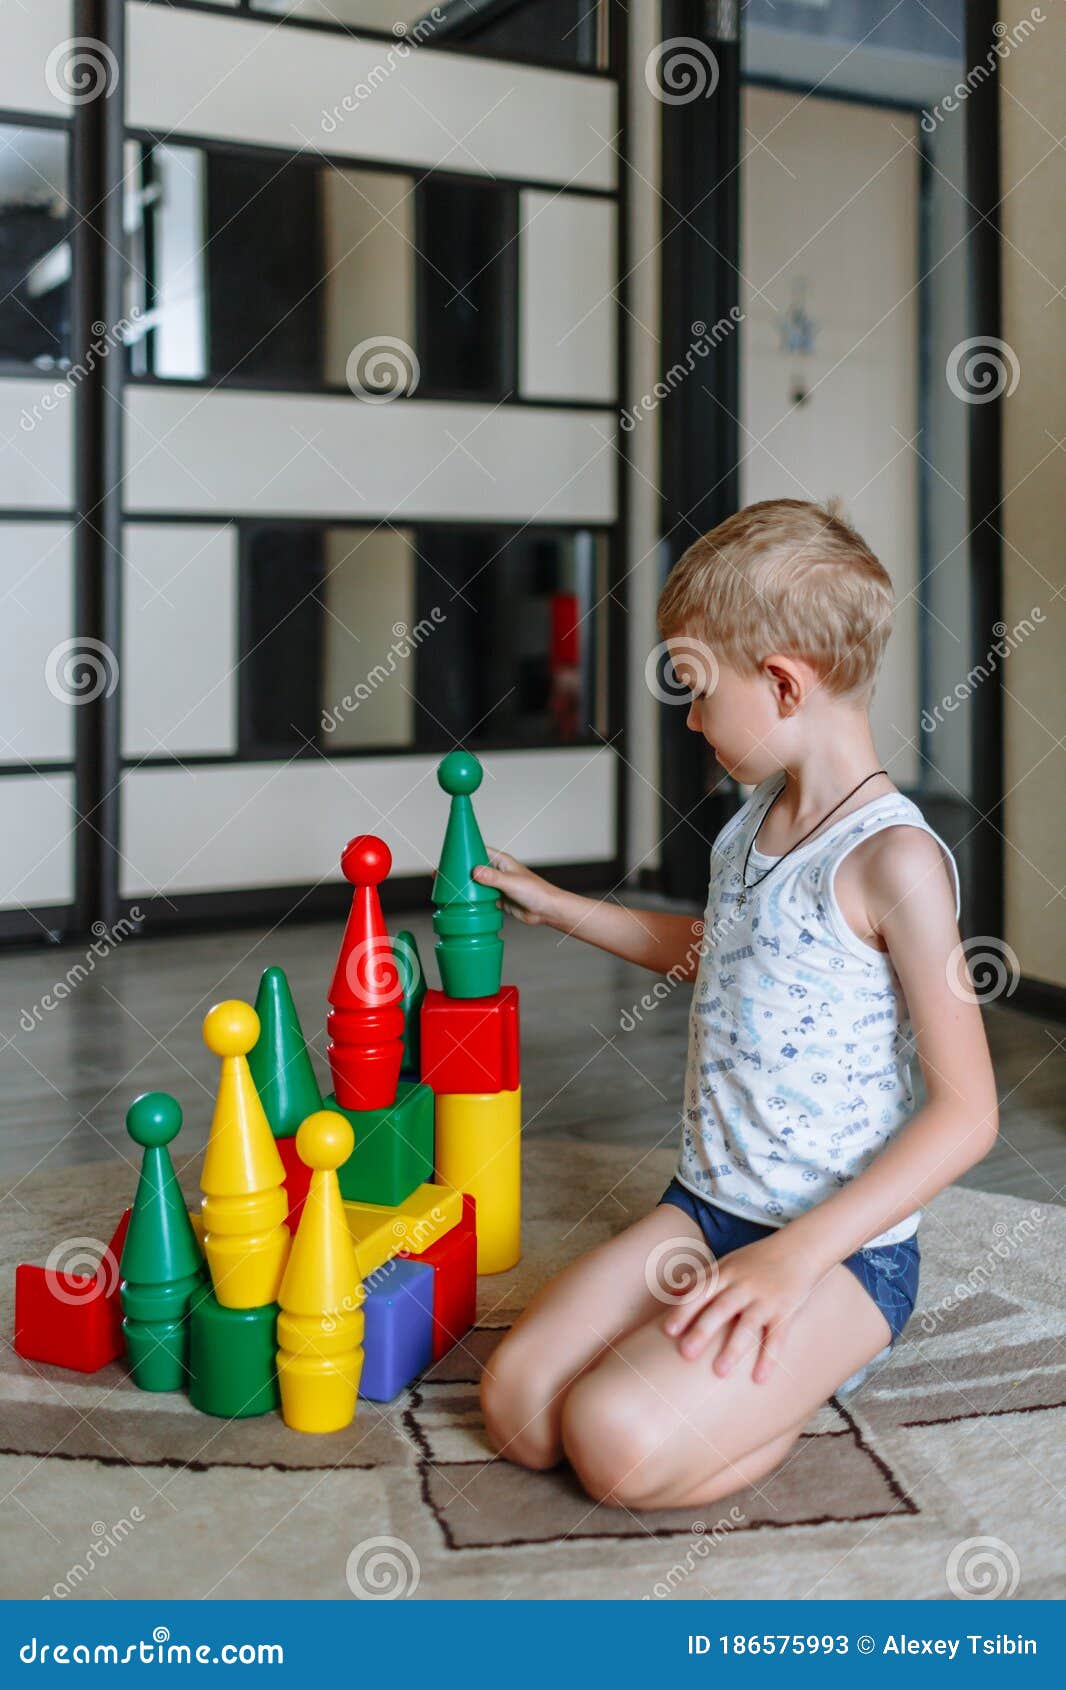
244, 80
179, 640
276, 824
31, 80
339, 456
36, 435
39, 668
569, 325
36, 840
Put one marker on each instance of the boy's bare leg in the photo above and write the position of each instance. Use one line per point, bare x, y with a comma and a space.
569, 1324
648, 1428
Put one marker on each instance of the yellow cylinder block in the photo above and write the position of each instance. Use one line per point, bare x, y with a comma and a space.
478, 1149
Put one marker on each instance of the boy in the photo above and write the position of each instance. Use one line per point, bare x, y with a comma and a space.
828, 948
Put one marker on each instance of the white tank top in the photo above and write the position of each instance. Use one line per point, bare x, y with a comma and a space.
799, 1038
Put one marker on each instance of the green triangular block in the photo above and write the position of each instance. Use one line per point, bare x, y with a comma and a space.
160, 1245
279, 1061
413, 982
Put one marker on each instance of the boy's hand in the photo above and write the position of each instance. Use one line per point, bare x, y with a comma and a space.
525, 895
756, 1291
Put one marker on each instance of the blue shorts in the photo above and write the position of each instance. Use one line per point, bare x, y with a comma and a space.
889, 1273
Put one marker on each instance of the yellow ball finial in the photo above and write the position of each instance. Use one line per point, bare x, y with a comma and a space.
231, 1028
325, 1140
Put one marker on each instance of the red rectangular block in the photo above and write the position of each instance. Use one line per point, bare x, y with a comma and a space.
72, 1319
471, 1044
297, 1181
66, 1319
453, 1259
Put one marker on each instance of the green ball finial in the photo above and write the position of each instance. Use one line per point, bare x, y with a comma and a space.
459, 772
154, 1118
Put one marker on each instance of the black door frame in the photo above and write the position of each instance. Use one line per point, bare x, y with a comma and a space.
701, 447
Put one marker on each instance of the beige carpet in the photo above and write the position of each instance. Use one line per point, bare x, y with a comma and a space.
108, 1491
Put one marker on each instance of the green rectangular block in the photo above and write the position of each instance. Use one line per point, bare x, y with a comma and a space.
393, 1147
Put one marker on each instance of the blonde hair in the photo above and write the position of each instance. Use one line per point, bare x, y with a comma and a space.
784, 576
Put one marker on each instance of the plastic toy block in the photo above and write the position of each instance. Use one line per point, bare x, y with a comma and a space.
471, 1044
413, 986
365, 1024
232, 1358
68, 1319
376, 1238
398, 1340
466, 918
393, 1152
478, 1149
297, 1181
162, 1266
416, 1223
246, 1240
320, 1327
453, 1259
278, 1061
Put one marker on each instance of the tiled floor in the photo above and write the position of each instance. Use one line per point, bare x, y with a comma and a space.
603, 1046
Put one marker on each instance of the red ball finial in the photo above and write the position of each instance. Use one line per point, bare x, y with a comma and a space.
366, 860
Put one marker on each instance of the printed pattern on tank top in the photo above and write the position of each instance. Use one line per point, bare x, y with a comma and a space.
800, 1045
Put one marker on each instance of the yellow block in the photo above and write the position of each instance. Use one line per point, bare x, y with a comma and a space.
478, 1149
381, 1230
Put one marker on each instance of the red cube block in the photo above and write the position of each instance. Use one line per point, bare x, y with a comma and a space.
470, 1044
297, 1181
71, 1319
453, 1259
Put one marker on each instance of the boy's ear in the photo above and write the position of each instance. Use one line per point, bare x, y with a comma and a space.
791, 681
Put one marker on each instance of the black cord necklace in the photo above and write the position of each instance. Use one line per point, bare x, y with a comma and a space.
745, 887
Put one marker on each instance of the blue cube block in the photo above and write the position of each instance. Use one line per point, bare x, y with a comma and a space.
398, 1334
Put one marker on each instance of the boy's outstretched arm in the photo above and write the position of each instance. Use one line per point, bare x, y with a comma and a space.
903, 884
667, 944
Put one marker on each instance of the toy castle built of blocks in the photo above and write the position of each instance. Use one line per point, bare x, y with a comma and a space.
336, 1251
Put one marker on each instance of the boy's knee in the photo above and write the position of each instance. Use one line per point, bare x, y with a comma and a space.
514, 1409
613, 1442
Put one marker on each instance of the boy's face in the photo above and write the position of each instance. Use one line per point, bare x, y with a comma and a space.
737, 714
